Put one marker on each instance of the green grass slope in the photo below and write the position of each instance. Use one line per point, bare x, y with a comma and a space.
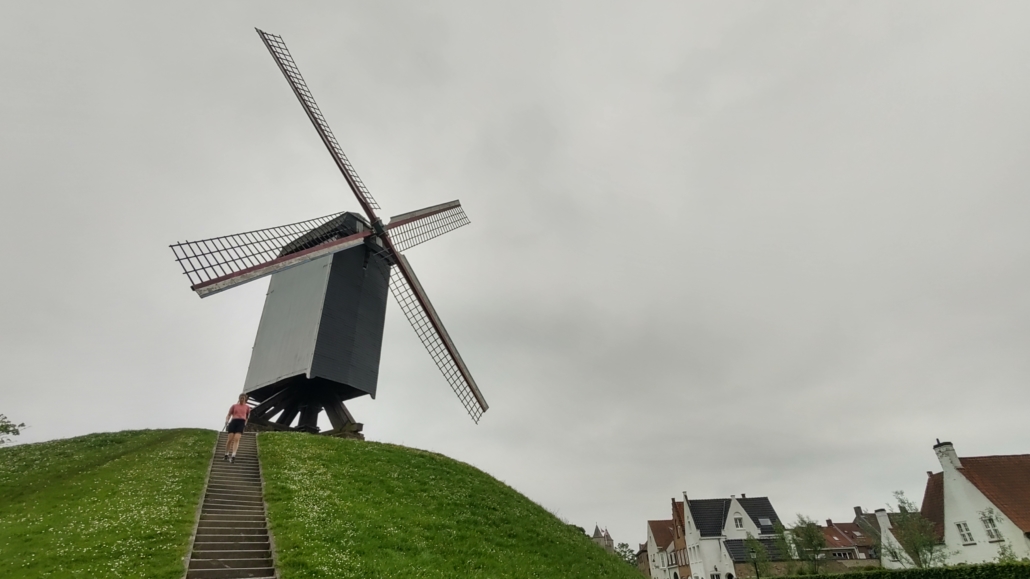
344, 508
104, 505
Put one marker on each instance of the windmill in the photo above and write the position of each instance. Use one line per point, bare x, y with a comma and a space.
319, 339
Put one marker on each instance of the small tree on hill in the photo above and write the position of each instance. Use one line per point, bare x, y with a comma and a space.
626, 553
916, 542
8, 429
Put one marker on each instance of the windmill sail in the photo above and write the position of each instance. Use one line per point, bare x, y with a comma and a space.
282, 57
410, 229
423, 318
217, 264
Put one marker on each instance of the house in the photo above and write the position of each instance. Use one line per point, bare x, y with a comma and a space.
849, 544
978, 504
603, 539
643, 564
715, 531
881, 524
661, 550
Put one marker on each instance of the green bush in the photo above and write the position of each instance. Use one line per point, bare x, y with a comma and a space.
986, 571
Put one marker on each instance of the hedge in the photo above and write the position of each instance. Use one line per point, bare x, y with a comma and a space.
985, 571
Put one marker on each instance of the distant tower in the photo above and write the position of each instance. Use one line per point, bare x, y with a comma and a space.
603, 539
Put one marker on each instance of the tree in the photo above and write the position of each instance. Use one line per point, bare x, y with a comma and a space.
916, 542
626, 553
801, 546
8, 429
758, 556
808, 542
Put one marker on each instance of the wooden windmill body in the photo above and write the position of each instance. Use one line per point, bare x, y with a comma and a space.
320, 336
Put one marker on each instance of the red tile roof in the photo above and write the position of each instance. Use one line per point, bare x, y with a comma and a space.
854, 533
933, 503
662, 532
835, 539
1005, 481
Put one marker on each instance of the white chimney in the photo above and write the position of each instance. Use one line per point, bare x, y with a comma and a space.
946, 454
882, 519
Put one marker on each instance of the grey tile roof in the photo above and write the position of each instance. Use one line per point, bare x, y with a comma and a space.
738, 550
710, 514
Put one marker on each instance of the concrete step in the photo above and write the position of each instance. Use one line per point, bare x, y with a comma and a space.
231, 545
223, 535
231, 563
231, 517
259, 572
238, 510
208, 524
238, 532
232, 554
213, 499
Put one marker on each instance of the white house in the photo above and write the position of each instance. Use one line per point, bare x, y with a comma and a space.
979, 503
661, 549
715, 531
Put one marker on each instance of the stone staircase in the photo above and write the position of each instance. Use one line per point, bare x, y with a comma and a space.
232, 535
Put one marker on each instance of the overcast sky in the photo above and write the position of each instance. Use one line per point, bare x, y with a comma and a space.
770, 248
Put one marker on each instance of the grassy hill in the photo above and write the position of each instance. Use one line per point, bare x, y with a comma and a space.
124, 505
103, 505
345, 508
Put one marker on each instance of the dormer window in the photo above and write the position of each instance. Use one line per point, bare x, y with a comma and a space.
738, 522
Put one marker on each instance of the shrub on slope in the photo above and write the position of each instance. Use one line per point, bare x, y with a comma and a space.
344, 508
104, 505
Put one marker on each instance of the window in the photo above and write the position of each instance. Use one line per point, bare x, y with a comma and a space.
965, 533
765, 522
993, 534
714, 576
738, 522
858, 534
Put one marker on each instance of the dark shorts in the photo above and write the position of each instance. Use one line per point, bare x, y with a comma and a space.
236, 425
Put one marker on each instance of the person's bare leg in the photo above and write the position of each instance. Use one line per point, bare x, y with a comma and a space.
228, 444
234, 442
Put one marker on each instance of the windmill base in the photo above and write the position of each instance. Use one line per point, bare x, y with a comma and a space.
304, 403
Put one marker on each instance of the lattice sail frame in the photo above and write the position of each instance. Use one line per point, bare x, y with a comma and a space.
289, 68
411, 229
218, 257
425, 322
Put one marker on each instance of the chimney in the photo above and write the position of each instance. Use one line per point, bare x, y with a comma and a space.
947, 455
743, 496
733, 496
829, 523
858, 511
882, 519
929, 473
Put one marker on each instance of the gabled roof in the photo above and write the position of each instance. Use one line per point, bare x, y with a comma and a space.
739, 553
759, 508
1005, 481
710, 514
854, 533
662, 532
597, 533
835, 539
